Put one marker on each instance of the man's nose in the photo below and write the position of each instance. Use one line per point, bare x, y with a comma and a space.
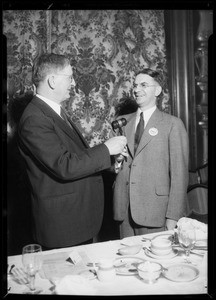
136, 90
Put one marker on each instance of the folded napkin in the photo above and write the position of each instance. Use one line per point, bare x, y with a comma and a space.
74, 285
200, 228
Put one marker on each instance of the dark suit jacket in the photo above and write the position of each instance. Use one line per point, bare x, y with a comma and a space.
66, 185
154, 180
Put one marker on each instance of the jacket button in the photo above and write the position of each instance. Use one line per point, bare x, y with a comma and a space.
127, 182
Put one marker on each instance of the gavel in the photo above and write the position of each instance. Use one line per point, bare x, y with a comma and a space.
118, 124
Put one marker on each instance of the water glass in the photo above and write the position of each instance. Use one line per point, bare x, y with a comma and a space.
187, 240
32, 262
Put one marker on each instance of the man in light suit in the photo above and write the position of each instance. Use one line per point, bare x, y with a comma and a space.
151, 186
65, 173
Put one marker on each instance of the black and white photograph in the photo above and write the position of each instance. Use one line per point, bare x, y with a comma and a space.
107, 115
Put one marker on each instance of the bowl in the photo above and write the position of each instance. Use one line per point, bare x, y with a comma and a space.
161, 246
149, 271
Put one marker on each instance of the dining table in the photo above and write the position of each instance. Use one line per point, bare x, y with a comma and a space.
83, 261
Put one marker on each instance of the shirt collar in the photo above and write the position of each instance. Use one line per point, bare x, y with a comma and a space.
146, 114
55, 106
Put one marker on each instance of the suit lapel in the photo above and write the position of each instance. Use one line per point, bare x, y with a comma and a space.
78, 133
48, 111
152, 126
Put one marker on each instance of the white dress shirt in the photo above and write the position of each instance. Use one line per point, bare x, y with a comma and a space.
55, 106
146, 115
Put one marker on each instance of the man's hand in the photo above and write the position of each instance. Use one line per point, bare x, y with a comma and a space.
122, 156
119, 159
170, 224
116, 144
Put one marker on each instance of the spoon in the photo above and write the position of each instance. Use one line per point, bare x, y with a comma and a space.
146, 239
11, 268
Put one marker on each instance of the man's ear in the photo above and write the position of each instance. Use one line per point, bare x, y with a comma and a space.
51, 81
158, 90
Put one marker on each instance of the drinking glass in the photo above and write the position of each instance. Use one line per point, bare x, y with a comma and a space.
32, 262
187, 240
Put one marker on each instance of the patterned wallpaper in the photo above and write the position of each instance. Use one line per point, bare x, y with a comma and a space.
105, 48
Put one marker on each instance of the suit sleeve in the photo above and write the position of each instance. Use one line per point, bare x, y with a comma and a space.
179, 157
39, 139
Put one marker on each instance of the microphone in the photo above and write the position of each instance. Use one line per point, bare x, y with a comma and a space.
118, 124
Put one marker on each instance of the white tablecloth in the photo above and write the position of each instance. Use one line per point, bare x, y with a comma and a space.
122, 285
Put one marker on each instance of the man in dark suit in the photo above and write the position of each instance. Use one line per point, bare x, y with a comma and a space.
151, 186
66, 184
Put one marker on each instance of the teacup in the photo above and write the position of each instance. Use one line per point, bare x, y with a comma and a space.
149, 271
161, 246
106, 270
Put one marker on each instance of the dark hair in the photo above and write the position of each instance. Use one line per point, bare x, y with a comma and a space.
47, 63
154, 74
126, 104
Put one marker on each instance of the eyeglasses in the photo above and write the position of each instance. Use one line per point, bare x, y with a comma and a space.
69, 76
143, 85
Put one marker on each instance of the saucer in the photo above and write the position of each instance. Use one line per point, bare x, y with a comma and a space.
181, 273
172, 254
130, 250
127, 265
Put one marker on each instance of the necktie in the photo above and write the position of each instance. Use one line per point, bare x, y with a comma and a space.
65, 117
139, 132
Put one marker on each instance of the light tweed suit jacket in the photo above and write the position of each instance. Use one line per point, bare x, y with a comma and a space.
154, 180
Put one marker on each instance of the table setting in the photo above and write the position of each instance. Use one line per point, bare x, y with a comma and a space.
168, 262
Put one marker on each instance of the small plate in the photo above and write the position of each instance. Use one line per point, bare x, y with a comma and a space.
173, 254
130, 250
89, 274
181, 273
127, 265
131, 241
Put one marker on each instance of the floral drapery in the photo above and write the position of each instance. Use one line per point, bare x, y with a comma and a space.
105, 48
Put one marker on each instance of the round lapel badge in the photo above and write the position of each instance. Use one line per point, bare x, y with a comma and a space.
153, 131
